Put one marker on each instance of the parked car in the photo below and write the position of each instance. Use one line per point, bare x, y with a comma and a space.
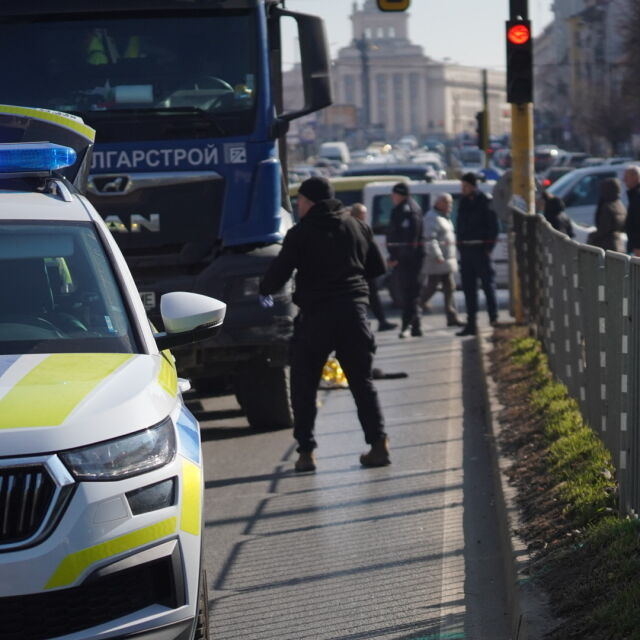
552, 174
101, 469
349, 190
415, 171
377, 198
580, 192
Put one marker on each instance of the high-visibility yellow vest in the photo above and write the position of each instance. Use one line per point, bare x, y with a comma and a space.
96, 53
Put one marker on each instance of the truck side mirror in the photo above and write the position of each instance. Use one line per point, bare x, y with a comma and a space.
314, 55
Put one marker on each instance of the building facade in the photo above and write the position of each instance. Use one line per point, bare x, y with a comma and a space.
398, 90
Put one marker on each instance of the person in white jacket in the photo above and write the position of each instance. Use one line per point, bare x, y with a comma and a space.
441, 262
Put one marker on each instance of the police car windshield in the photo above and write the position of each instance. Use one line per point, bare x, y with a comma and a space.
58, 292
151, 64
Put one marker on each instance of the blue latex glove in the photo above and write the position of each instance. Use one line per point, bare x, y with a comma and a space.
266, 302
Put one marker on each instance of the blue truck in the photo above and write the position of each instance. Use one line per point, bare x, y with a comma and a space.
188, 165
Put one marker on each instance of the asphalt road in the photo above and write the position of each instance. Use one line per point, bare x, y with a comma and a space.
407, 551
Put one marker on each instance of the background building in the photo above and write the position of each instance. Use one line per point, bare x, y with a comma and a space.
385, 87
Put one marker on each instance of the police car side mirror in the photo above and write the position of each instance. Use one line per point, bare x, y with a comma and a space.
188, 317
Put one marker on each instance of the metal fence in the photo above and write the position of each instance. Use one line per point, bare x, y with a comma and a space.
584, 305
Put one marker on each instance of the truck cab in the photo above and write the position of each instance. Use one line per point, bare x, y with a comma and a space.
187, 172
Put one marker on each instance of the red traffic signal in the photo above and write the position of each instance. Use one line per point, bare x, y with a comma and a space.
519, 34
519, 62
393, 5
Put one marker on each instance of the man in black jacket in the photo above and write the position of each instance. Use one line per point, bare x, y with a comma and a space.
333, 255
632, 182
477, 233
405, 243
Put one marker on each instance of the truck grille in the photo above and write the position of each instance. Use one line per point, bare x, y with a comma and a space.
25, 496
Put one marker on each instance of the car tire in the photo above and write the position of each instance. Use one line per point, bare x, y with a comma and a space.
264, 395
201, 631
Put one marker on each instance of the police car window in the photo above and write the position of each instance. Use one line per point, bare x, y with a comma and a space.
382, 206
58, 292
150, 65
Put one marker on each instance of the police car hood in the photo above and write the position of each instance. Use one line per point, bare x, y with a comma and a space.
53, 402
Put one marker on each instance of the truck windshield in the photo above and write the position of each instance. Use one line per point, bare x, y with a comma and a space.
145, 65
58, 292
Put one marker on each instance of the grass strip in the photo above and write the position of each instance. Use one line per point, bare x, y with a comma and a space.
594, 576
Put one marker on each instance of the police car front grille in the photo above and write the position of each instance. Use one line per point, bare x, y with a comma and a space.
58, 613
25, 496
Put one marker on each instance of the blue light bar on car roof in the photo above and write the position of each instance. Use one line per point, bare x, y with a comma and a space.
29, 157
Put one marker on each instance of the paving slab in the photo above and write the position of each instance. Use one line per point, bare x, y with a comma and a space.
409, 551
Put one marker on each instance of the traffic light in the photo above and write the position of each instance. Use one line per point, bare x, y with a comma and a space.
481, 130
519, 62
393, 5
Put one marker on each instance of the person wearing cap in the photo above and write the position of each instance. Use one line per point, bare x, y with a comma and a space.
477, 233
405, 244
333, 255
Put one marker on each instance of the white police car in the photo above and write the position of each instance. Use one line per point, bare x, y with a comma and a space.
101, 482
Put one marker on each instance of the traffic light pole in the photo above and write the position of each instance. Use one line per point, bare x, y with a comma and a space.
484, 143
522, 162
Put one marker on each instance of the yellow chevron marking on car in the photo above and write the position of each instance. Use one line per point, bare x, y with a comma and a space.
190, 517
168, 377
52, 390
70, 569
56, 117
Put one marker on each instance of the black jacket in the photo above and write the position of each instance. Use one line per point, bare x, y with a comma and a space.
477, 223
405, 237
334, 255
556, 216
633, 219
610, 218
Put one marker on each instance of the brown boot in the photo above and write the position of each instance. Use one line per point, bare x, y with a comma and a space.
306, 461
378, 456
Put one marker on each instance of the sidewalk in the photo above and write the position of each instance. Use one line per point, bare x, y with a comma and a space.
408, 551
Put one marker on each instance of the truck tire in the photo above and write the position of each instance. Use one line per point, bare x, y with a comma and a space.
201, 631
263, 394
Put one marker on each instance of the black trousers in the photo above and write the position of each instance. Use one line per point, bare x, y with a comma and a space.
409, 272
341, 327
475, 264
374, 301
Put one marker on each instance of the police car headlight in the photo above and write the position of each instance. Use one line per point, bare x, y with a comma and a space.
120, 458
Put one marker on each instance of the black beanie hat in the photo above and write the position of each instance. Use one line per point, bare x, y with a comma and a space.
401, 188
471, 178
316, 189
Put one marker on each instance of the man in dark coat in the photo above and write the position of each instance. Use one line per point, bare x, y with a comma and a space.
334, 255
632, 182
405, 243
554, 213
610, 217
477, 233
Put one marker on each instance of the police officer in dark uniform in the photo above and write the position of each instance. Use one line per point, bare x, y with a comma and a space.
477, 233
334, 255
405, 243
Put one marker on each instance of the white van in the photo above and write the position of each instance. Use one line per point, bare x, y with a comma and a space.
336, 151
377, 198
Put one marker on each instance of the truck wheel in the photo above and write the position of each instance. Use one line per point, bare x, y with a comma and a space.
201, 631
263, 394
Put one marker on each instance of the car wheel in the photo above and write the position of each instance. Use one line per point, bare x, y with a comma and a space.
201, 631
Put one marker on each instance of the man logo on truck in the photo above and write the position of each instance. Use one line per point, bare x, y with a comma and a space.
136, 223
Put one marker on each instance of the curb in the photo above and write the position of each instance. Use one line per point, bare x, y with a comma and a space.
527, 603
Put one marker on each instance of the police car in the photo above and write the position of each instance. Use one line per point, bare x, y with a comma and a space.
101, 482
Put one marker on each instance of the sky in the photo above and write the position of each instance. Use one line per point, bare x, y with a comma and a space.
469, 32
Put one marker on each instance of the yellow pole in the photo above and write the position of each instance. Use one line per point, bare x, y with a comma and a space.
522, 184
522, 154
